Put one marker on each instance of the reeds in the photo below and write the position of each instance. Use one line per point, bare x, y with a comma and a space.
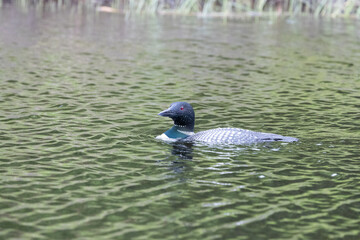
224, 8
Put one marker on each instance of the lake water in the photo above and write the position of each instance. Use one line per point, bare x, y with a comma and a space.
79, 97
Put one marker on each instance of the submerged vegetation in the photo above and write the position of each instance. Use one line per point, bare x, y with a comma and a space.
223, 8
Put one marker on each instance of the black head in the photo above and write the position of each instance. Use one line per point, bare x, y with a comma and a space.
182, 113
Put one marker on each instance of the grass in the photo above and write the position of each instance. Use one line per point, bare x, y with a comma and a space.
208, 8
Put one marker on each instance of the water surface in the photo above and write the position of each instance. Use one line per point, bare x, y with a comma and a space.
79, 98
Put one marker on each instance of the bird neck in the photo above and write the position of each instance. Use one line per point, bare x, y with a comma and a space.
178, 131
185, 123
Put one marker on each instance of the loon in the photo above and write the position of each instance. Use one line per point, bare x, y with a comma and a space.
183, 116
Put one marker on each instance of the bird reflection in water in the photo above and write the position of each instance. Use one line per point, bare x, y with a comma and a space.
181, 154
183, 150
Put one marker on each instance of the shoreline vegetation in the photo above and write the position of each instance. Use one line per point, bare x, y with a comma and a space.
206, 8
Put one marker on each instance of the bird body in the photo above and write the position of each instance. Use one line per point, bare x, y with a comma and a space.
183, 116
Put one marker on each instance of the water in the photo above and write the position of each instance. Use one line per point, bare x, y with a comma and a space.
79, 98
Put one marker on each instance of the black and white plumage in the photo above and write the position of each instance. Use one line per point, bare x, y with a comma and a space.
183, 116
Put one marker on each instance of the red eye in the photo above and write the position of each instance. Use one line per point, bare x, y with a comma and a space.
182, 108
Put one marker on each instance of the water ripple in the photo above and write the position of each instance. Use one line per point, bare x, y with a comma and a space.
78, 119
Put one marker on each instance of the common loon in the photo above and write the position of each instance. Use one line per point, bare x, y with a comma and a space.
183, 116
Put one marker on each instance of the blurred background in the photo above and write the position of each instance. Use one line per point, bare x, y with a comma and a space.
223, 8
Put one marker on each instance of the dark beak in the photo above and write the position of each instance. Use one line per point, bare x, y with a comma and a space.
166, 113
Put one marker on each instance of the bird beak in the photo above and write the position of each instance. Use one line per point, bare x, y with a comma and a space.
166, 113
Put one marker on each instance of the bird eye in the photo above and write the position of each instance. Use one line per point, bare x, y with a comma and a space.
182, 108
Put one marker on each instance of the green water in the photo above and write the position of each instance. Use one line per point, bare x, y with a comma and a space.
79, 98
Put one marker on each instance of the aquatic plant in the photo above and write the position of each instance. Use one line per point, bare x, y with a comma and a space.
223, 8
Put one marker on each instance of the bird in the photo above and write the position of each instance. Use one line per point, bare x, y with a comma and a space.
183, 115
